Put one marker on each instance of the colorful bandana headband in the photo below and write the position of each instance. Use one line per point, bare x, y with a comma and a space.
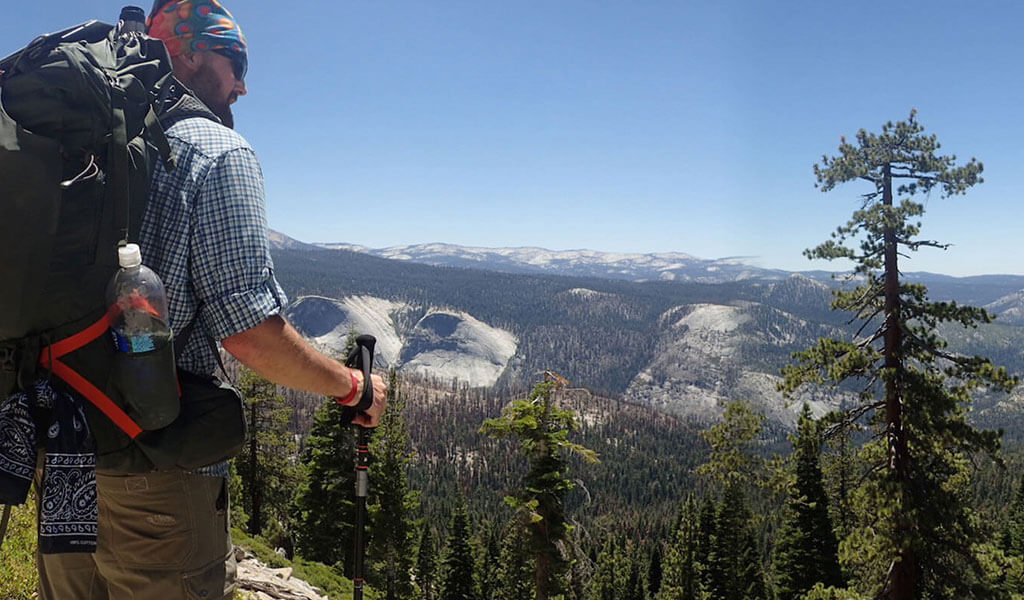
196, 26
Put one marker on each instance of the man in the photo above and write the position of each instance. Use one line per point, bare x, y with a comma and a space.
164, 534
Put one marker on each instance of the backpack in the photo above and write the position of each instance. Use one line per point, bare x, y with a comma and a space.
80, 130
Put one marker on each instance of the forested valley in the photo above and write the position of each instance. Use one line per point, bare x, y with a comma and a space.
557, 484
894, 494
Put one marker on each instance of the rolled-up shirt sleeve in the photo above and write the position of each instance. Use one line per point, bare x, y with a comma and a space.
232, 272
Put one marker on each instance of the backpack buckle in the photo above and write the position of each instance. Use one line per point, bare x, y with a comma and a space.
18, 365
8, 369
8, 357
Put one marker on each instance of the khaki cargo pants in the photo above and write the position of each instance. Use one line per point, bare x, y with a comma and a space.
162, 536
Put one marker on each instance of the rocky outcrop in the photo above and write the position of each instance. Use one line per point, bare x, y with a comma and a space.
257, 581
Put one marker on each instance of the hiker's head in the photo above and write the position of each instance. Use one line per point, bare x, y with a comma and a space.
207, 48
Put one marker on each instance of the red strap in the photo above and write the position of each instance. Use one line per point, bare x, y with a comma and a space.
48, 359
101, 400
80, 339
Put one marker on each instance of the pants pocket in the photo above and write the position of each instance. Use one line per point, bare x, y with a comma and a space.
148, 519
215, 581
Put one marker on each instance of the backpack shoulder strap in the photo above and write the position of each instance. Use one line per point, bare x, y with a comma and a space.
177, 102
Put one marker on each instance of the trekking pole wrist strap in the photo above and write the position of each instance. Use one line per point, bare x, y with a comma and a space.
347, 400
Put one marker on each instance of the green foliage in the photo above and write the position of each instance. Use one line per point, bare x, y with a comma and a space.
542, 429
1013, 538
391, 502
820, 592
18, 576
914, 534
684, 572
733, 457
488, 564
515, 567
266, 468
316, 574
734, 565
457, 561
324, 508
426, 567
806, 548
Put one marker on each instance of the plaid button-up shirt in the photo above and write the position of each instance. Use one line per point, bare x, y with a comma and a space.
205, 234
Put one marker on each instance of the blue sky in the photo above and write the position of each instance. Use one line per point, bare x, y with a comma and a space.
625, 126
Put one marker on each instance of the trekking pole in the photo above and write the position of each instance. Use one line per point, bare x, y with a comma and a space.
361, 358
3, 523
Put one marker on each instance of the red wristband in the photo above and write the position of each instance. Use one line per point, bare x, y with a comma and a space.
351, 395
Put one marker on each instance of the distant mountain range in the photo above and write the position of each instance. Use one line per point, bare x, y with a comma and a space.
684, 346
672, 266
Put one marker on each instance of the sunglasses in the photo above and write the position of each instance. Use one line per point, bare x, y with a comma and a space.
239, 63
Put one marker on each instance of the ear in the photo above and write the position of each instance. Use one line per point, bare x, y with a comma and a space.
186, 64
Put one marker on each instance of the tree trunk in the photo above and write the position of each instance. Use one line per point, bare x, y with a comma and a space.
903, 575
256, 518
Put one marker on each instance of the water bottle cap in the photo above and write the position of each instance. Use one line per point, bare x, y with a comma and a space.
129, 256
133, 13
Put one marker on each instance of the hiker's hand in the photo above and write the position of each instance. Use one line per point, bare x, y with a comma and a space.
371, 416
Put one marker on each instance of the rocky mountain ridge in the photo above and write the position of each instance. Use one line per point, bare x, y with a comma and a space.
668, 266
683, 348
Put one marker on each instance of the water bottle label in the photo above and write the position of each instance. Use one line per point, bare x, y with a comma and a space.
133, 344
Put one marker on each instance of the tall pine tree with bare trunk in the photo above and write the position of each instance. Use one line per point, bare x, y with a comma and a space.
916, 536
542, 429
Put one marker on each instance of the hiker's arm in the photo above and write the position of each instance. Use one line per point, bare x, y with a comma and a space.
276, 351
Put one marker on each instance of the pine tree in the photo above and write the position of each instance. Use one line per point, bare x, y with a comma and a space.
515, 567
682, 578
324, 507
266, 471
732, 456
608, 582
457, 562
391, 503
655, 571
806, 548
488, 565
634, 587
542, 429
1013, 539
705, 534
734, 563
839, 471
426, 564
916, 534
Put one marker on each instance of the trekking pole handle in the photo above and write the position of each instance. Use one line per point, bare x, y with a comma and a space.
361, 357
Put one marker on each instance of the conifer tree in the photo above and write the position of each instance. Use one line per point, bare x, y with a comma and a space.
1013, 538
542, 429
488, 565
634, 588
682, 577
391, 503
916, 536
806, 548
705, 534
839, 471
733, 458
655, 570
734, 563
325, 507
609, 580
426, 564
515, 567
457, 581
266, 471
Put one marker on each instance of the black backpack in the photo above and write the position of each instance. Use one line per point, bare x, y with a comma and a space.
80, 130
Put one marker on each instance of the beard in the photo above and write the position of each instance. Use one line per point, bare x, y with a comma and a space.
206, 85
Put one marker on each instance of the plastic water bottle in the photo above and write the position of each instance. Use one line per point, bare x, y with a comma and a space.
143, 370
